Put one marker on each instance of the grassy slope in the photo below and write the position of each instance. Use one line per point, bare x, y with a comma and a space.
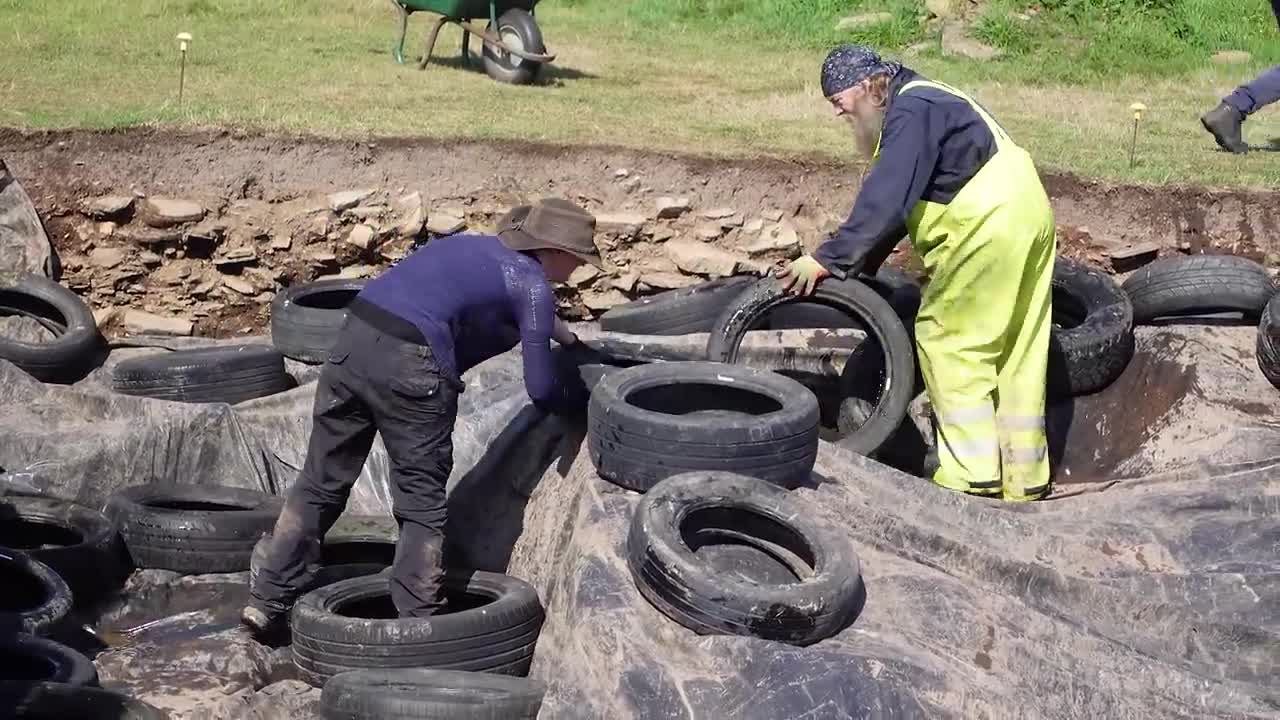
706, 76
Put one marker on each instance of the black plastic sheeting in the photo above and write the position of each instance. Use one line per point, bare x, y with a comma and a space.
1149, 592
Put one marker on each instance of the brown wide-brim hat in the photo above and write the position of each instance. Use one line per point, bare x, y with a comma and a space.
551, 224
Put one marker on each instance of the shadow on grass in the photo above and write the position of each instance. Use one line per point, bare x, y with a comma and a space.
1272, 145
551, 74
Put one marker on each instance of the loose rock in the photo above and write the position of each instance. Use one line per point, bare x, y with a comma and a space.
281, 243
236, 256
446, 222
104, 316
207, 284
1132, 257
623, 223
669, 207
147, 236
602, 300
583, 274
240, 285
719, 213
357, 271
108, 206
138, 322
709, 231
662, 233
106, 257
626, 282
366, 212
780, 236
412, 215
667, 280
701, 259
340, 201
163, 212
323, 257
753, 226
172, 274
150, 259
363, 237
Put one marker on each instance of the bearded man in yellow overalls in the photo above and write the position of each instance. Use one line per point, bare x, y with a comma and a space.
946, 174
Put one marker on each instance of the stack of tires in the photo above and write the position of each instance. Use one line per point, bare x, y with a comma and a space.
55, 555
863, 411
717, 542
344, 630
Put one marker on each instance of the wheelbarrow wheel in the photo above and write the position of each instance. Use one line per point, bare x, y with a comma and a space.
519, 30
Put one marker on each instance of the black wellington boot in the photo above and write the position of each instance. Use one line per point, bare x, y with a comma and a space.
1224, 122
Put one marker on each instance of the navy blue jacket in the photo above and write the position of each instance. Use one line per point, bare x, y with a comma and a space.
932, 144
472, 298
1275, 8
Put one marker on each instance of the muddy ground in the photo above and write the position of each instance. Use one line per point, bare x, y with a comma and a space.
258, 190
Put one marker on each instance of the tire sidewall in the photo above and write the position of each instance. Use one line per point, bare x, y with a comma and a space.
655, 544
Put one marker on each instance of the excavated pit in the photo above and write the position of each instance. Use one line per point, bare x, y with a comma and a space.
1137, 591
1156, 473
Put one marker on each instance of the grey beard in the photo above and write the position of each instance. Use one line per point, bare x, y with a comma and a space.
866, 132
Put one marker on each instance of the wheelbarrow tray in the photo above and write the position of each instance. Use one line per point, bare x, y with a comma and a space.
466, 9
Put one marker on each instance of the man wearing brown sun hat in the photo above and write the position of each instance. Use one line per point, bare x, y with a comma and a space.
396, 369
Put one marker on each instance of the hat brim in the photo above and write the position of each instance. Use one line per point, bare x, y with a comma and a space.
521, 241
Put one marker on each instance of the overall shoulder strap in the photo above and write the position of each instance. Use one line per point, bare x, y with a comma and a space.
996, 130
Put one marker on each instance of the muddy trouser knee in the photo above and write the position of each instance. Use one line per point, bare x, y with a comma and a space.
1263, 91
372, 383
415, 411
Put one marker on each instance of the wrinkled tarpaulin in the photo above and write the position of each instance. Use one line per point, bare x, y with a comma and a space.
1154, 597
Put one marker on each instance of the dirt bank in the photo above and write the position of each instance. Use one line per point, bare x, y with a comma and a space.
266, 224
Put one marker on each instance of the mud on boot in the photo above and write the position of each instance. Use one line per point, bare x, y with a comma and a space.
266, 627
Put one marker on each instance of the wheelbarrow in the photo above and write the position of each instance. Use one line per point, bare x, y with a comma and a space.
513, 48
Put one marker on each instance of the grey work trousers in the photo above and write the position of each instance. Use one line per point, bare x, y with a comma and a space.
372, 383
1254, 96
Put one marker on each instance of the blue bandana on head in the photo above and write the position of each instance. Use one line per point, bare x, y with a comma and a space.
848, 65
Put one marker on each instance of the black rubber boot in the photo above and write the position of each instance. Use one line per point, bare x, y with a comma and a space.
1224, 122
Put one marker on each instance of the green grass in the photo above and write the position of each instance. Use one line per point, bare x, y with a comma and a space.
716, 77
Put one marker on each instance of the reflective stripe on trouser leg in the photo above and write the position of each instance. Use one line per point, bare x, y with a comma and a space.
959, 386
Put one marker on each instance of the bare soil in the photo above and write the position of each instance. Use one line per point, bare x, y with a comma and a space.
228, 172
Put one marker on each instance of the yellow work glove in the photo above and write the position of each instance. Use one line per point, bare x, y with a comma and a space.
805, 273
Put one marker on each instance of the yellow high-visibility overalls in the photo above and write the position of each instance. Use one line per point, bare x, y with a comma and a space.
983, 328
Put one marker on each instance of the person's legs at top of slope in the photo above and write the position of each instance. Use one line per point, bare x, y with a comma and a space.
1225, 120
